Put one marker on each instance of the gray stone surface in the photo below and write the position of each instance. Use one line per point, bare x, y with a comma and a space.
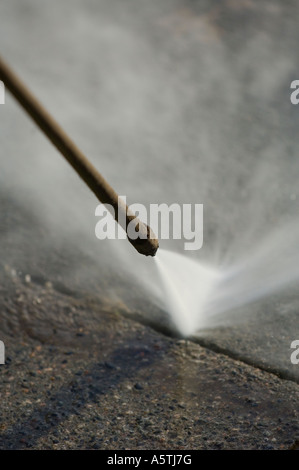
92, 379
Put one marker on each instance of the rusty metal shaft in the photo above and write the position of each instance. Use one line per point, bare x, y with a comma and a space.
147, 243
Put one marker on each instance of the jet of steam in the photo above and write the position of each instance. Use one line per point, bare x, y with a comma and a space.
188, 285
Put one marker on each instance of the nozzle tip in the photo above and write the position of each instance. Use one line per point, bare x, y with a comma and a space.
148, 244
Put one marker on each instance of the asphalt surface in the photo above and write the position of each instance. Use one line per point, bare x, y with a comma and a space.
84, 372
95, 380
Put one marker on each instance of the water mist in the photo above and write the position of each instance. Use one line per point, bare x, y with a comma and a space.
199, 295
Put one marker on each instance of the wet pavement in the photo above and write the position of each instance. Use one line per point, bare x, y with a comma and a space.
83, 372
190, 92
93, 379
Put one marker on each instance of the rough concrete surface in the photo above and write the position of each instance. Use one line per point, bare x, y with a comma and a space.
95, 380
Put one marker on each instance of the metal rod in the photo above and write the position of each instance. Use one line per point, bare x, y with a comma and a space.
147, 242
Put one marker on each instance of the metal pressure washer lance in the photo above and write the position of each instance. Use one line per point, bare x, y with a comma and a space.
146, 243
